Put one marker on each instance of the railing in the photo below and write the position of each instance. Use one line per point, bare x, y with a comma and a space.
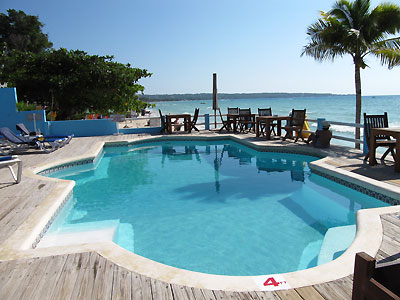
343, 138
209, 122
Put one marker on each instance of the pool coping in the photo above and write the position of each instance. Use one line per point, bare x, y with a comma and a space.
368, 237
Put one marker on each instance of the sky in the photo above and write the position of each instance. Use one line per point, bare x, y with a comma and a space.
254, 46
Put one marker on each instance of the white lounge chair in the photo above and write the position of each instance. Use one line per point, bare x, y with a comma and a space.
8, 161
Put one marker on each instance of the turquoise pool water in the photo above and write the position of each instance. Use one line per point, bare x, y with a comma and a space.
214, 207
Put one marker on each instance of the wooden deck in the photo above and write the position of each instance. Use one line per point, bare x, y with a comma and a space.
90, 276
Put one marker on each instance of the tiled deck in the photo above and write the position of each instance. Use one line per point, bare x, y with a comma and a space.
89, 275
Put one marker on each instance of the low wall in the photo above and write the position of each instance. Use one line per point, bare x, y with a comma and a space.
81, 128
36, 121
149, 130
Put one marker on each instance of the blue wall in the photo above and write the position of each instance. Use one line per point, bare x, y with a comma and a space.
9, 117
82, 127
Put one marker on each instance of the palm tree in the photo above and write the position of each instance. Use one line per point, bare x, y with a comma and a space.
352, 28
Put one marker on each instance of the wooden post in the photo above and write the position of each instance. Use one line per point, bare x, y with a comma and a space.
363, 270
215, 99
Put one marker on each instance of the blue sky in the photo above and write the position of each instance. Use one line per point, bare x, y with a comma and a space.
253, 46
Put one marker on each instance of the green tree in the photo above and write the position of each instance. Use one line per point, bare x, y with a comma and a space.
353, 28
21, 32
71, 82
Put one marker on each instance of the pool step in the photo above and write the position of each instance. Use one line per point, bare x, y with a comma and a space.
336, 241
82, 233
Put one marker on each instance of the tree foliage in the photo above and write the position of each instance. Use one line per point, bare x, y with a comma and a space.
72, 82
21, 32
352, 28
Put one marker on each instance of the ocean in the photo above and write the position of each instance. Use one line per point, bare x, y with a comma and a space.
333, 108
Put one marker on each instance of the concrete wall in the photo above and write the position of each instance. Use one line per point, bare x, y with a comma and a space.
9, 117
82, 127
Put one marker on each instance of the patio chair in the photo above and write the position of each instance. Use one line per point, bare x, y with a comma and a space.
21, 143
62, 140
225, 123
295, 124
163, 122
266, 112
378, 121
233, 110
192, 123
8, 162
375, 281
246, 121
233, 121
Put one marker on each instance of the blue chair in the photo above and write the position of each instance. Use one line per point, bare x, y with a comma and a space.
62, 140
21, 143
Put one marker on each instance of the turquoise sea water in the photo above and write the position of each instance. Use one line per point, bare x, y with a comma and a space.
218, 208
332, 108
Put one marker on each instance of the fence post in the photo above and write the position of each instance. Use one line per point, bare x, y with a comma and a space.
365, 144
207, 121
319, 123
364, 268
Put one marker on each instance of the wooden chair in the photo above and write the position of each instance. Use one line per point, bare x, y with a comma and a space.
266, 112
246, 121
372, 282
295, 124
163, 122
225, 123
378, 121
233, 110
192, 124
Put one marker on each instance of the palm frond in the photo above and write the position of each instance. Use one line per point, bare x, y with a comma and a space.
389, 57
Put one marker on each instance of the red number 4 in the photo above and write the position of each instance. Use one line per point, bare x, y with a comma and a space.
271, 281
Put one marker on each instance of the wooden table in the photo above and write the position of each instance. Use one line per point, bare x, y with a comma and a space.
268, 120
394, 132
186, 122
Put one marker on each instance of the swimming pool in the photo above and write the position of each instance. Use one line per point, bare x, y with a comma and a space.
214, 207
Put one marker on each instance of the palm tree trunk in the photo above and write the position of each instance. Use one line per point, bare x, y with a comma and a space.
358, 101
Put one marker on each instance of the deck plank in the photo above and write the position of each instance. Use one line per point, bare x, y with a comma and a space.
6, 269
104, 284
201, 294
49, 277
72, 278
266, 295
181, 292
161, 290
18, 278
288, 295
309, 292
147, 292
336, 290
221, 295
122, 283
98, 277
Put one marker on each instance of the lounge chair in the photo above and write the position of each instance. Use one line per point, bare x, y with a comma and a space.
21, 143
8, 161
192, 123
62, 140
266, 112
295, 124
246, 120
379, 121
